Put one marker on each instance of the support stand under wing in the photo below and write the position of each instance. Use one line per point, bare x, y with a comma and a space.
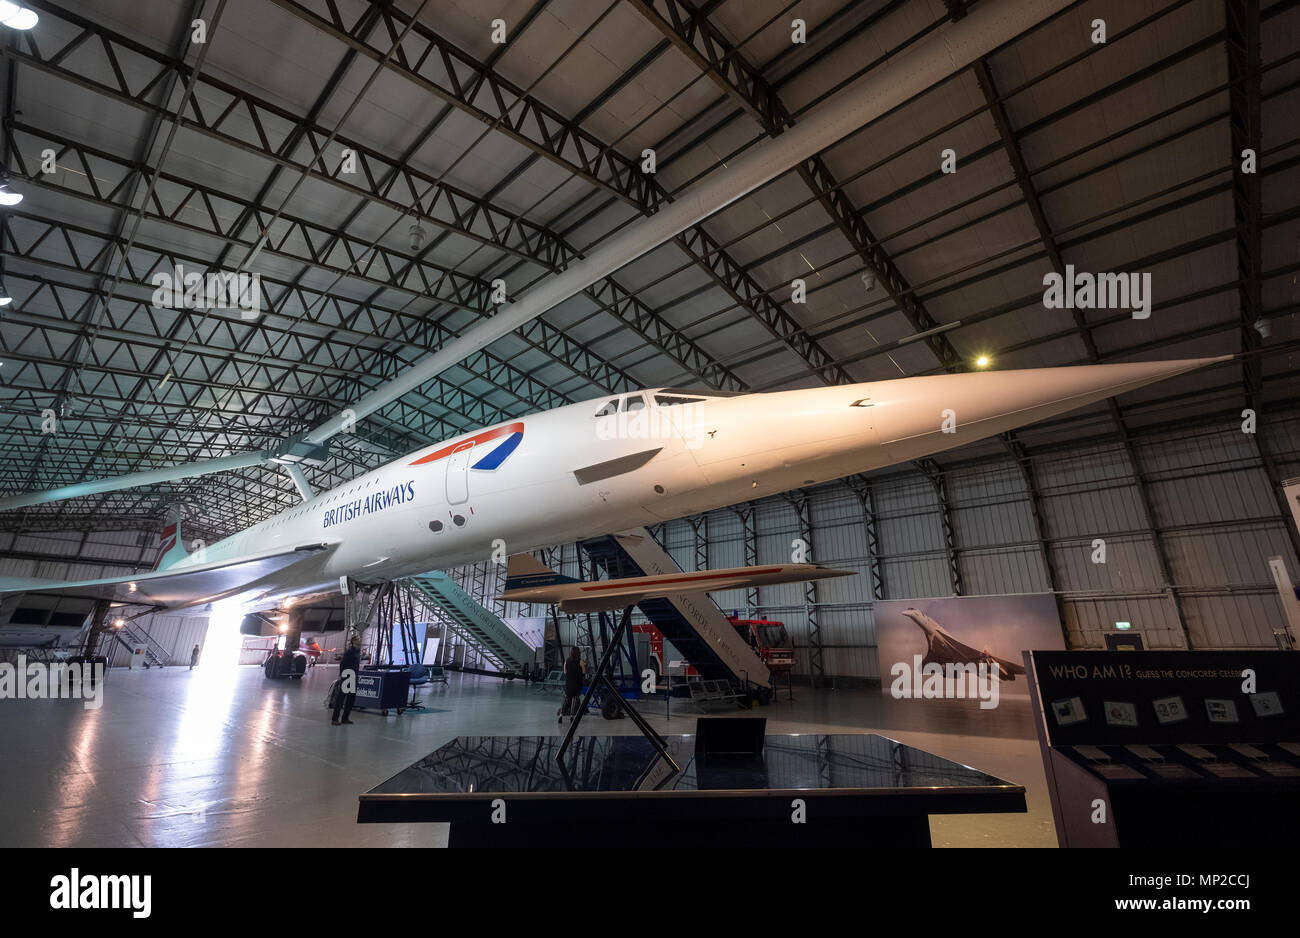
656, 776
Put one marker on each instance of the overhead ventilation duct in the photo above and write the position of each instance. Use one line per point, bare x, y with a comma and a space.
299, 479
148, 477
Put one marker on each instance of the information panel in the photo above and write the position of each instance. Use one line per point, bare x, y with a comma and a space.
1116, 698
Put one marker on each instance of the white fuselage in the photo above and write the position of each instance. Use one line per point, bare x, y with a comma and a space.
566, 474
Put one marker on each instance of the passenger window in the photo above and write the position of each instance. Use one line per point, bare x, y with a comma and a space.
608, 409
635, 402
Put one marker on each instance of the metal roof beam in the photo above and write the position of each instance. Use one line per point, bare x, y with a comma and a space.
435, 201
563, 141
744, 83
349, 323
1242, 19
272, 383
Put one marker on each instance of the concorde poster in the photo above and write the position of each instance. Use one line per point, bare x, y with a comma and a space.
955, 647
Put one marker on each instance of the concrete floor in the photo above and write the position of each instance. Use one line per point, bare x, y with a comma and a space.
227, 758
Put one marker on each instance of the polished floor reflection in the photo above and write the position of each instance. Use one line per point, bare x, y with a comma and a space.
180, 758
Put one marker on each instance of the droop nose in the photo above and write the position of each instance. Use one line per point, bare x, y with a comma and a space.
915, 417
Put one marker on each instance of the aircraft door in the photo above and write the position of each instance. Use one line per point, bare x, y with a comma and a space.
458, 474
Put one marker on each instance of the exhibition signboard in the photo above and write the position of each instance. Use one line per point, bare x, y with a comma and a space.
963, 647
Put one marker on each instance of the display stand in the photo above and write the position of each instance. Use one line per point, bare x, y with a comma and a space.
602, 679
849, 790
390, 684
1170, 749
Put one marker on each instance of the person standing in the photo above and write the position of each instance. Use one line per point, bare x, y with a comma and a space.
194, 656
349, 667
572, 683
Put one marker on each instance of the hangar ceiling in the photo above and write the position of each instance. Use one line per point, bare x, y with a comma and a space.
513, 158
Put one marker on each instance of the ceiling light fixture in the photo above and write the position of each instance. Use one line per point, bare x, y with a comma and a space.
8, 196
982, 361
17, 16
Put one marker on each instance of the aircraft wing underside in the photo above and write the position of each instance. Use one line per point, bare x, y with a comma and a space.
195, 585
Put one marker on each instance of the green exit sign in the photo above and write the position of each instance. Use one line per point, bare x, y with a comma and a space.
1123, 626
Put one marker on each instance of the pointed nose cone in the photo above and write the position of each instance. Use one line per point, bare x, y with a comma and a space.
920, 416
919, 619
816, 572
1049, 391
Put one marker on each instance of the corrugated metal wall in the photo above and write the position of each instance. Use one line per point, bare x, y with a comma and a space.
1214, 521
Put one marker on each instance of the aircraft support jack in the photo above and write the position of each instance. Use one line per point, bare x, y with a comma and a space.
360, 601
602, 678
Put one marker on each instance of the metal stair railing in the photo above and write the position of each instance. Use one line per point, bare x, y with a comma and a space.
154, 652
479, 628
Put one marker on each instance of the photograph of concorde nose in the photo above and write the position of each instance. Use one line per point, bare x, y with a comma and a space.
413, 411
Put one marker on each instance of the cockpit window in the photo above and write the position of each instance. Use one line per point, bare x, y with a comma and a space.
696, 392
609, 409
667, 400
634, 402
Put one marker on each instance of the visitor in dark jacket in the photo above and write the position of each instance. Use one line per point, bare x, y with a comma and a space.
349, 667
572, 684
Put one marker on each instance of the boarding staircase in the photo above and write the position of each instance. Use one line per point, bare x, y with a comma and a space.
482, 630
693, 624
132, 637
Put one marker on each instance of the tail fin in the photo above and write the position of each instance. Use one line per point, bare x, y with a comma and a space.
171, 549
524, 570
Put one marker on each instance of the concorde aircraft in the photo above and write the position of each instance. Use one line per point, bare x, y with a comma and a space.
604, 465
943, 648
624, 461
